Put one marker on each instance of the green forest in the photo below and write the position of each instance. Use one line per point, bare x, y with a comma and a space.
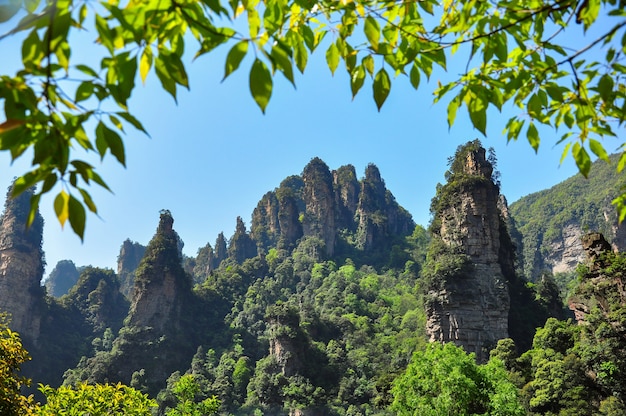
329, 305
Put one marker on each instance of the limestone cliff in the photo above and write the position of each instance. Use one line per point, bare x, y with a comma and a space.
21, 267
468, 301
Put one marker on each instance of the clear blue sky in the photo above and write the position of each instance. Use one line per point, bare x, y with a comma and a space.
213, 156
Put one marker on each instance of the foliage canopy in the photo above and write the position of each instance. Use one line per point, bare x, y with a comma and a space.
62, 108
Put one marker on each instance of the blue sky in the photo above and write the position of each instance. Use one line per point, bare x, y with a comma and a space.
213, 156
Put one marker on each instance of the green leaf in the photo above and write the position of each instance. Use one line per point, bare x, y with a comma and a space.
133, 121
34, 209
260, 84
164, 76
77, 216
357, 79
332, 57
565, 152
282, 61
88, 201
9, 9
598, 150
84, 91
234, 57
32, 51
273, 16
452, 108
87, 70
414, 76
145, 63
109, 139
621, 163
116, 145
300, 55
26, 181
583, 161
254, 23
372, 31
48, 183
101, 141
31, 5
381, 86
477, 108
533, 136
368, 64
605, 87
61, 207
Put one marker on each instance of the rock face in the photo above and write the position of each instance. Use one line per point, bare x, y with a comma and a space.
469, 304
21, 267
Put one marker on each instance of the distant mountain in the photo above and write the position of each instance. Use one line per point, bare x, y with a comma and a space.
62, 278
551, 222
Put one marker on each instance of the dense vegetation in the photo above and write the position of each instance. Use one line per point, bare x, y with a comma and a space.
580, 202
291, 328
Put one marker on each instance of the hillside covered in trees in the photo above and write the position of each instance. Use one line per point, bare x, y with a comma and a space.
335, 302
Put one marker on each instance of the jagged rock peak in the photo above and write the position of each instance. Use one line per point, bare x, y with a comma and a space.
160, 281
469, 305
21, 265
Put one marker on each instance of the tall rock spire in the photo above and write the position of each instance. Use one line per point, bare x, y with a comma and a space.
160, 281
21, 266
468, 295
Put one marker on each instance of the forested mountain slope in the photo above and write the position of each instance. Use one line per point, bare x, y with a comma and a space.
551, 222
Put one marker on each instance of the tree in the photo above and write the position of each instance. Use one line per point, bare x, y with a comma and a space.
518, 56
444, 380
12, 356
95, 400
186, 389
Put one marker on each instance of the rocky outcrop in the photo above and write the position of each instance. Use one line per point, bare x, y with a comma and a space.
160, 282
347, 190
329, 206
241, 246
266, 226
380, 218
468, 303
319, 200
21, 267
128, 260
